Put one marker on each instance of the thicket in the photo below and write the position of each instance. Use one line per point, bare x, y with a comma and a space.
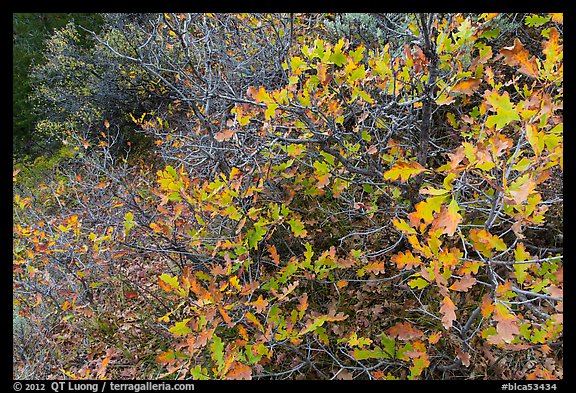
29, 35
294, 196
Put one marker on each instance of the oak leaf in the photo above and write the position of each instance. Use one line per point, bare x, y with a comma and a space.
425, 209
403, 170
470, 267
360, 342
518, 56
239, 371
406, 260
520, 189
448, 218
375, 267
464, 284
467, 86
225, 135
463, 356
444, 99
302, 303
260, 304
448, 312
403, 226
505, 110
180, 328
552, 49
404, 331
323, 180
434, 338
555, 291
258, 94
273, 254
167, 357
485, 242
131, 295
506, 330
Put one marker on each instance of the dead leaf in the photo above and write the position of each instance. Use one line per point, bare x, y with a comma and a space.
225, 135
131, 295
404, 331
345, 375
463, 356
555, 291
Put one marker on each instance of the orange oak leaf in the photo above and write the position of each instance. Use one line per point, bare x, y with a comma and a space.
471, 267
448, 312
502, 289
166, 357
449, 258
302, 303
448, 218
260, 304
242, 331
406, 260
456, 157
273, 253
102, 185
404, 331
341, 283
541, 373
467, 86
375, 267
225, 135
201, 339
225, 316
518, 56
552, 49
219, 270
323, 180
464, 284
485, 242
239, 371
